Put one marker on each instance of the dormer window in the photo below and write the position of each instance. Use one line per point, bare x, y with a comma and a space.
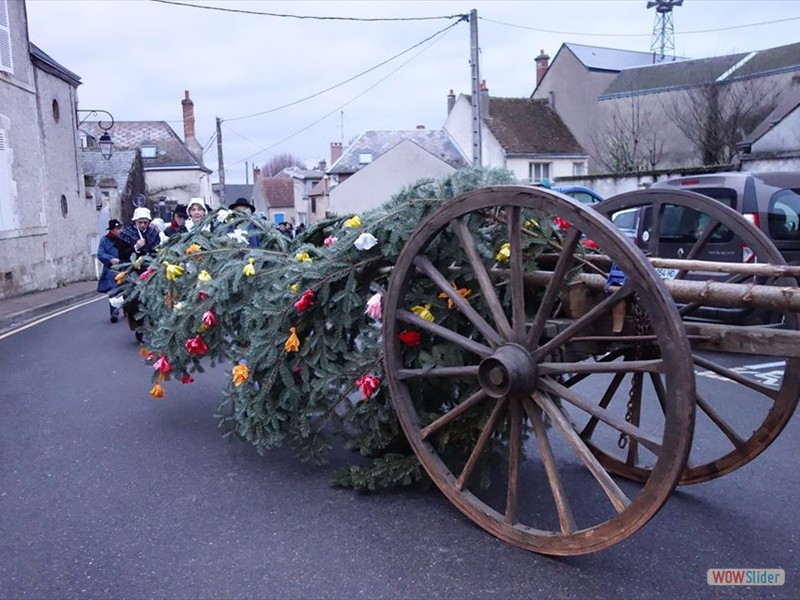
365, 158
149, 151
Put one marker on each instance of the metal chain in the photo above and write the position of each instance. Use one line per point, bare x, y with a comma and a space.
641, 323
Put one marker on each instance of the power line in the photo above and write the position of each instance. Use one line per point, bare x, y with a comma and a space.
318, 18
540, 30
337, 109
388, 60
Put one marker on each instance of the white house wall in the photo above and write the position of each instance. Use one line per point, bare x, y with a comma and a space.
180, 184
785, 134
376, 183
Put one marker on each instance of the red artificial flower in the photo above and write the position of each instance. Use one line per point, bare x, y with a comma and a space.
562, 224
307, 300
146, 273
209, 319
162, 364
591, 244
196, 346
187, 379
412, 339
203, 295
368, 384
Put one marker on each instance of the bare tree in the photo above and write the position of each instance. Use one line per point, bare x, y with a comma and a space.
716, 116
626, 141
279, 162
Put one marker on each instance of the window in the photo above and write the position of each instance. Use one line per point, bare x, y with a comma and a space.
148, 151
783, 217
5, 39
313, 205
579, 168
365, 158
279, 218
538, 171
56, 111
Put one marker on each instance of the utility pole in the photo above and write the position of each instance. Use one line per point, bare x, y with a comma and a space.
477, 142
221, 163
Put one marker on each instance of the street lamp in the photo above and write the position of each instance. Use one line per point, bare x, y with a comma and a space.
105, 142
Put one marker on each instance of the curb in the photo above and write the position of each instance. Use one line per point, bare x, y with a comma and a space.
25, 316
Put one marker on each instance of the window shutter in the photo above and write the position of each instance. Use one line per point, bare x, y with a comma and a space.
6, 219
5, 39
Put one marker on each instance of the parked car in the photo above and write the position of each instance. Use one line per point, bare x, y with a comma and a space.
770, 201
580, 193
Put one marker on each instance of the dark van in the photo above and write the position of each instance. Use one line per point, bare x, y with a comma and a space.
770, 201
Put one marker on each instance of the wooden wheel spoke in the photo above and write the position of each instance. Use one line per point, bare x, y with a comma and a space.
484, 281
578, 377
517, 274
443, 332
590, 426
612, 490
661, 391
452, 414
622, 294
428, 372
734, 437
565, 260
425, 265
768, 391
514, 450
565, 518
631, 366
618, 423
483, 439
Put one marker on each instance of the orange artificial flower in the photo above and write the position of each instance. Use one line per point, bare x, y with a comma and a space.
292, 342
240, 374
157, 391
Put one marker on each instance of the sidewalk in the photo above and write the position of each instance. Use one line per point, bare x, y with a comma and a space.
20, 310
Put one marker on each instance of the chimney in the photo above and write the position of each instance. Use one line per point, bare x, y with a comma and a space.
420, 126
322, 166
188, 127
542, 62
451, 101
256, 174
336, 152
484, 99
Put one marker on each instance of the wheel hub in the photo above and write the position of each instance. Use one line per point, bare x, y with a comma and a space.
511, 370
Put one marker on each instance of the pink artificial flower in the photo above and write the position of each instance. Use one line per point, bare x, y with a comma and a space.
162, 364
330, 240
368, 384
374, 307
209, 319
145, 274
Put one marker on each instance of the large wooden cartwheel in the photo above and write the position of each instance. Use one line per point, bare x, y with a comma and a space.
743, 405
484, 400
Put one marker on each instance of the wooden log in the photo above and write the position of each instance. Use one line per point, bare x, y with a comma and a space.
766, 341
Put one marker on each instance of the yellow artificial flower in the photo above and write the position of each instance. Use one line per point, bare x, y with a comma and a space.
504, 253
249, 270
463, 292
292, 342
193, 248
353, 222
294, 287
240, 374
204, 276
173, 271
423, 312
302, 257
157, 391
531, 224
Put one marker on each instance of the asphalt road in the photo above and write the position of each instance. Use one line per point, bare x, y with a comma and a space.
108, 493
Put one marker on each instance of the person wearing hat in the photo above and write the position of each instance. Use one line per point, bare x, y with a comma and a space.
108, 253
246, 210
197, 210
178, 224
140, 239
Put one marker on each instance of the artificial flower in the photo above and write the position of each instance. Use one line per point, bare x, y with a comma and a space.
157, 391
306, 301
292, 342
117, 301
423, 312
412, 339
531, 224
591, 244
178, 306
562, 224
365, 241
120, 277
353, 222
196, 346
463, 292
209, 318
374, 307
143, 351
186, 379
302, 257
162, 364
240, 374
204, 276
223, 215
202, 295
329, 241
173, 271
146, 274
249, 270
294, 287
504, 253
368, 384
239, 235
193, 248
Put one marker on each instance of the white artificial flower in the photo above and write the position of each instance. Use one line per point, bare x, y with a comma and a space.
238, 234
365, 241
223, 215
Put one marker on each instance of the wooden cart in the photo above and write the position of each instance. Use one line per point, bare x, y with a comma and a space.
590, 401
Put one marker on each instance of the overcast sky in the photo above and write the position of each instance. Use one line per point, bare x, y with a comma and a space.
136, 58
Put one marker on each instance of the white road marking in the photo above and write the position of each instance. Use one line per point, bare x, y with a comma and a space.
50, 316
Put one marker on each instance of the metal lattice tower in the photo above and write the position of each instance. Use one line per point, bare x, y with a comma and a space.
663, 43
